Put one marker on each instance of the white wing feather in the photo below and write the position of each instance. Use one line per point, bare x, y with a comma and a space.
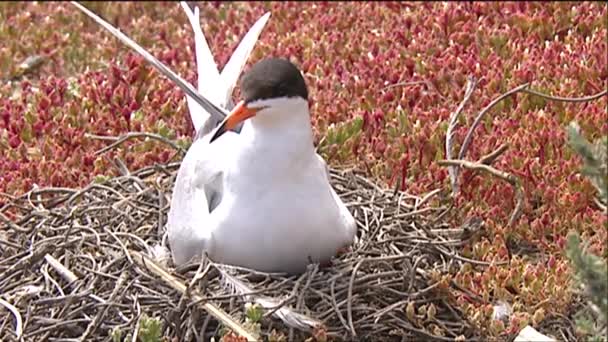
347, 218
236, 63
217, 87
210, 108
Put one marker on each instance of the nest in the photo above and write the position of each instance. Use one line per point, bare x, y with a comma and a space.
87, 264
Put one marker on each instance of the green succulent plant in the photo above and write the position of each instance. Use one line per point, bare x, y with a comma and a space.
591, 270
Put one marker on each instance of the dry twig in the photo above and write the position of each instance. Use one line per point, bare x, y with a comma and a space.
453, 121
18, 319
484, 163
213, 310
477, 166
469, 136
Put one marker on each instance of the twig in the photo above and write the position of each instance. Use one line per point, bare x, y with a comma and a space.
197, 276
10, 224
99, 317
469, 136
522, 88
566, 99
489, 158
147, 263
405, 84
485, 161
349, 303
453, 121
600, 205
131, 135
509, 178
121, 166
63, 271
18, 319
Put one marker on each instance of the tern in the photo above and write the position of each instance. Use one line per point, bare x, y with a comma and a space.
251, 190
262, 198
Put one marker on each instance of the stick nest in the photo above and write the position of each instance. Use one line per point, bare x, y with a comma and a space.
73, 266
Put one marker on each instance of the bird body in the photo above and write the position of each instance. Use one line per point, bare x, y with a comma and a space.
278, 211
251, 191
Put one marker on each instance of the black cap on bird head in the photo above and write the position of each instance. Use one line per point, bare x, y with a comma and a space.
269, 78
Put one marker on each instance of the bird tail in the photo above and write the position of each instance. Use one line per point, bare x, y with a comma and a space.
216, 86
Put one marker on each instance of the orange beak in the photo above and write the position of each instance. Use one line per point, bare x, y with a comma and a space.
239, 114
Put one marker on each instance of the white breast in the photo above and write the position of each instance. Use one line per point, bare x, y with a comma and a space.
278, 212
281, 222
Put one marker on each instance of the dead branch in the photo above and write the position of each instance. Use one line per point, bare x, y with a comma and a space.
405, 84
484, 163
18, 319
147, 263
453, 171
469, 136
489, 158
65, 273
566, 99
101, 314
509, 178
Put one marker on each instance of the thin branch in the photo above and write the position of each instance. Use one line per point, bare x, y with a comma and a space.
67, 274
147, 263
405, 84
18, 319
507, 177
479, 167
469, 136
453, 121
12, 225
63, 271
122, 167
131, 135
489, 158
349, 300
101, 314
600, 204
522, 88
566, 99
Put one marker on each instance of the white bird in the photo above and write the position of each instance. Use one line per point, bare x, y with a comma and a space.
260, 198
257, 197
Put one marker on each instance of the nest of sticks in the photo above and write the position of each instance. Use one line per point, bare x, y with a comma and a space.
88, 264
